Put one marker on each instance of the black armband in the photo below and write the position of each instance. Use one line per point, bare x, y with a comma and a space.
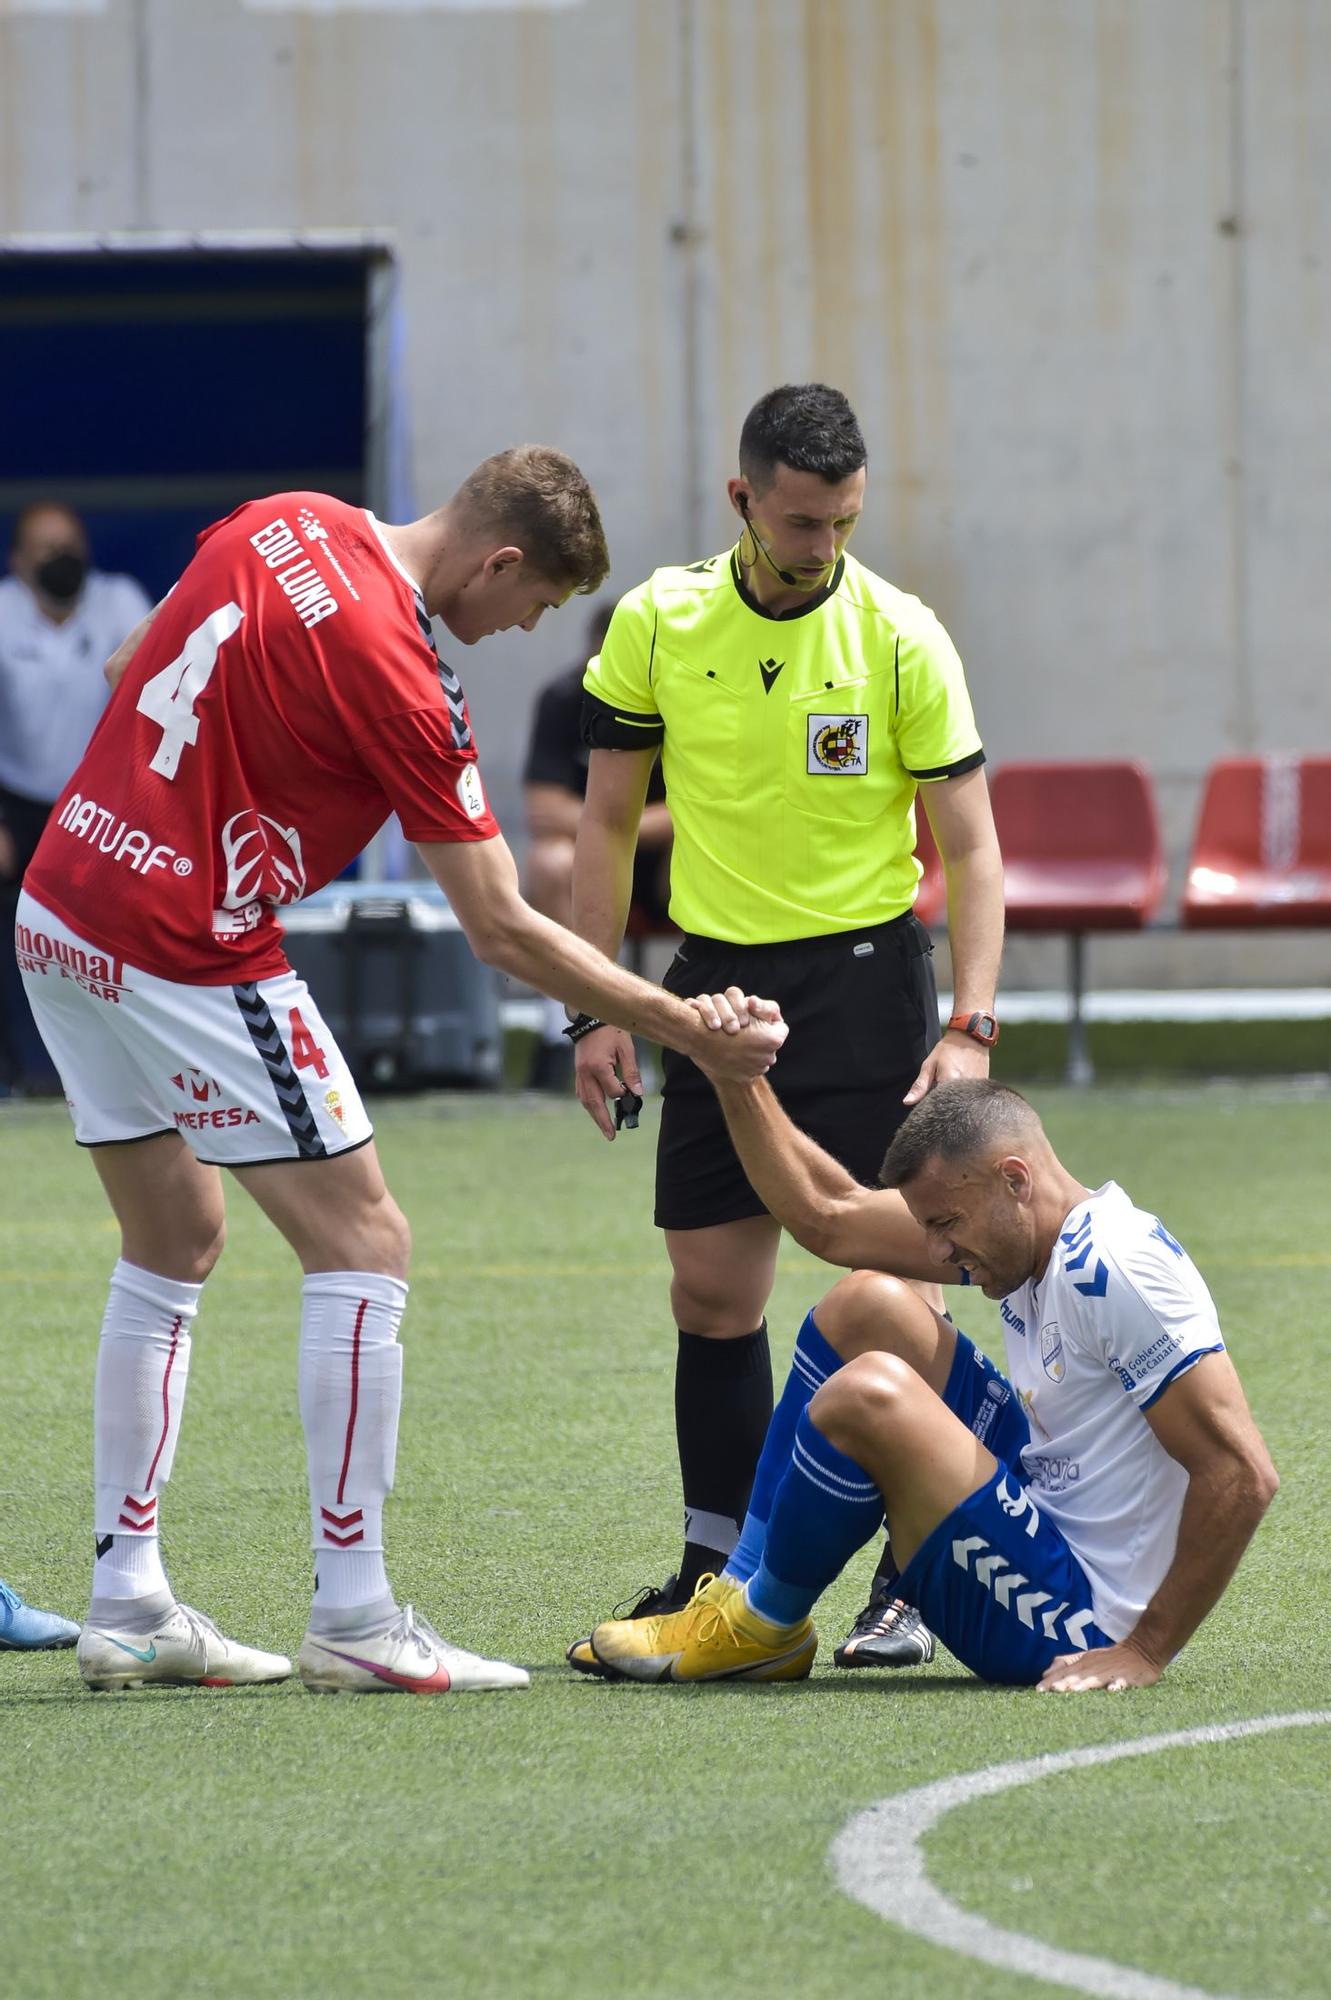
605, 727
582, 1024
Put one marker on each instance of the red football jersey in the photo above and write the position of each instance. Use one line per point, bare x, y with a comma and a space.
286, 699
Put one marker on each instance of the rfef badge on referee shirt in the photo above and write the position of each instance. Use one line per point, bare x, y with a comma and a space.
838, 746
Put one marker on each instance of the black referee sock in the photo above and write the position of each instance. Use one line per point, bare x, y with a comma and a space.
887, 1575
723, 1405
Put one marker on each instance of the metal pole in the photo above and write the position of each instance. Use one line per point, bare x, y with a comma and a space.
143, 114
1081, 1070
688, 235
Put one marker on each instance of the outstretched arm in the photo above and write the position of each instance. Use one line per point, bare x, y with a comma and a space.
1203, 1421
814, 1197
481, 883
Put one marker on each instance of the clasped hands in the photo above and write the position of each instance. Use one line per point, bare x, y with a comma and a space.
745, 1035
729, 1016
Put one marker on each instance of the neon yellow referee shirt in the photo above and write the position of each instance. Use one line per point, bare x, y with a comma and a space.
791, 746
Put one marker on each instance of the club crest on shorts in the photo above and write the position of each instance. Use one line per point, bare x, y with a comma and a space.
1052, 1358
838, 746
193, 1083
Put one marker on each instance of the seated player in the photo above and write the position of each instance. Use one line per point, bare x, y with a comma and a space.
554, 787
25, 1629
1068, 1526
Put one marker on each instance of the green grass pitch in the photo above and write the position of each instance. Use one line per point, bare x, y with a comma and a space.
581, 1839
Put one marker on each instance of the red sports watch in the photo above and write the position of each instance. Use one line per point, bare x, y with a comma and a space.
982, 1028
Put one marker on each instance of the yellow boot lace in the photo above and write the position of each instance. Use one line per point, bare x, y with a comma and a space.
710, 1617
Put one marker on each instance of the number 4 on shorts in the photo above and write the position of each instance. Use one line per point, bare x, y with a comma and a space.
305, 1051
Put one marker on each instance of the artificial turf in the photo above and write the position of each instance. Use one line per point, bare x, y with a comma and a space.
582, 1838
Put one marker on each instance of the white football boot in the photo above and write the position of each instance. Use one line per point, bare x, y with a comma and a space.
184, 1649
409, 1658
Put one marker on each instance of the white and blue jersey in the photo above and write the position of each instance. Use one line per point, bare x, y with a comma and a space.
1120, 1312
1063, 1548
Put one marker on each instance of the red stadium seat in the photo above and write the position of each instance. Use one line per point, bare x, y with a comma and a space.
931, 901
1081, 852
1262, 854
1081, 846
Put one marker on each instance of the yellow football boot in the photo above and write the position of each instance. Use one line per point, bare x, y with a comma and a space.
716, 1637
649, 1603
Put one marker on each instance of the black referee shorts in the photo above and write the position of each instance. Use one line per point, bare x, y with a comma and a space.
863, 1013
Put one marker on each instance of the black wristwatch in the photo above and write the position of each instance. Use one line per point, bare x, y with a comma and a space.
982, 1028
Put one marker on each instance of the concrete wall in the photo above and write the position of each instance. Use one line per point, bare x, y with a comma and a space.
1070, 258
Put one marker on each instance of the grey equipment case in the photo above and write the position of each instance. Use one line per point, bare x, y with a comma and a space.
396, 982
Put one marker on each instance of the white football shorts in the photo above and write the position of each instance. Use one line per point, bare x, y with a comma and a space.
246, 1074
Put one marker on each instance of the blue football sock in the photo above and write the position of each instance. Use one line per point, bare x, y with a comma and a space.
826, 1507
810, 1365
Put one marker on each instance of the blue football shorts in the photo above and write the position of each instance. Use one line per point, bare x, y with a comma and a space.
996, 1580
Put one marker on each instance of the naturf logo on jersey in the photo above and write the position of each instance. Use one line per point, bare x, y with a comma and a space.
838, 746
87, 820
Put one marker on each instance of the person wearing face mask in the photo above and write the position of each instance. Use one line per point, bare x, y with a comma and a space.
60, 621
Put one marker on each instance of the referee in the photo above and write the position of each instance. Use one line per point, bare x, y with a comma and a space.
796, 701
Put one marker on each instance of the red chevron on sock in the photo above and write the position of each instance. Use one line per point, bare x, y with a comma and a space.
343, 1521
144, 1527
148, 1506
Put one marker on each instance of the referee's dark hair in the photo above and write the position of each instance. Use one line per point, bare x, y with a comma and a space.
963, 1120
806, 426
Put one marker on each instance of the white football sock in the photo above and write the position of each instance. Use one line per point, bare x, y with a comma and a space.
142, 1368
350, 1395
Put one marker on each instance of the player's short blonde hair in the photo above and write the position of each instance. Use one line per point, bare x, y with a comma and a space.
536, 497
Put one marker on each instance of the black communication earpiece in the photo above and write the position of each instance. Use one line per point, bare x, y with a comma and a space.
791, 582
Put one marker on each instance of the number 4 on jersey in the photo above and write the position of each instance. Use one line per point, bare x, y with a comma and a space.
169, 697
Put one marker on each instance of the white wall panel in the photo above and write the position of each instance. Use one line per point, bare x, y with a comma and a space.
1071, 259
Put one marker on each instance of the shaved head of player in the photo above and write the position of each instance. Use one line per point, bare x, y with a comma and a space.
982, 1180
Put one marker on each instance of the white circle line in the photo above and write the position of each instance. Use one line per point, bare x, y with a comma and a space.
879, 1862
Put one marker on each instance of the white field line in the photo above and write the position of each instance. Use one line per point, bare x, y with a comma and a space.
879, 1861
